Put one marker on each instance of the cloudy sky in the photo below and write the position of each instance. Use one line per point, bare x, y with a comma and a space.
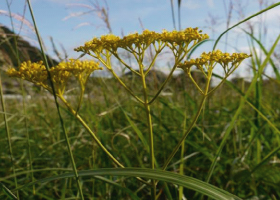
62, 19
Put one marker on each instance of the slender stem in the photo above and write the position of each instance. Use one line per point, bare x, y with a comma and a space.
2, 99
73, 164
191, 125
150, 126
8, 135
215, 88
81, 96
80, 119
118, 79
185, 135
27, 134
123, 84
177, 61
194, 82
164, 83
173, 16
181, 189
126, 65
154, 59
227, 74
91, 132
56, 102
224, 79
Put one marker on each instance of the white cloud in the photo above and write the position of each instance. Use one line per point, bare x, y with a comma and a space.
210, 3
191, 4
272, 15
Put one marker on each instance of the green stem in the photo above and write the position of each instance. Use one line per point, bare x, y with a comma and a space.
2, 99
27, 134
117, 77
81, 97
181, 189
194, 82
150, 126
124, 85
126, 65
164, 83
8, 135
154, 59
191, 125
224, 79
79, 118
56, 102
178, 59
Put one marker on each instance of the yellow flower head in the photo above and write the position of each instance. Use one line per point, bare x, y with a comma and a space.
60, 74
33, 72
185, 36
142, 41
207, 60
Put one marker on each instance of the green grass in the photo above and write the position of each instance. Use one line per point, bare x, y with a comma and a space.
237, 159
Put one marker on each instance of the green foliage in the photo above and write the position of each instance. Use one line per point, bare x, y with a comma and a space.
235, 162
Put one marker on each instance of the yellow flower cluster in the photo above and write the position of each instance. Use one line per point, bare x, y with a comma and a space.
60, 74
33, 72
186, 36
142, 41
207, 60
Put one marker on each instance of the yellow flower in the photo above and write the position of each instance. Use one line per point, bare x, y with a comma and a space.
60, 74
207, 60
136, 41
185, 36
33, 72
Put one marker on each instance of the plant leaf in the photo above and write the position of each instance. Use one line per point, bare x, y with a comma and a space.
166, 176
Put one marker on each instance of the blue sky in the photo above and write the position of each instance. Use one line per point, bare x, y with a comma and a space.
124, 18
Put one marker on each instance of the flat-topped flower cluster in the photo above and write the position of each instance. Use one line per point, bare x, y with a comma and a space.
37, 73
135, 42
228, 61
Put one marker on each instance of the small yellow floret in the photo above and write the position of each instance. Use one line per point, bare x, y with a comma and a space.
33, 72
37, 73
142, 41
207, 59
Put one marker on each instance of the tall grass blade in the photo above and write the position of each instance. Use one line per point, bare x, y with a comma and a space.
126, 189
173, 16
241, 22
166, 176
27, 132
179, 14
15, 50
8, 192
8, 133
56, 102
275, 70
181, 168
